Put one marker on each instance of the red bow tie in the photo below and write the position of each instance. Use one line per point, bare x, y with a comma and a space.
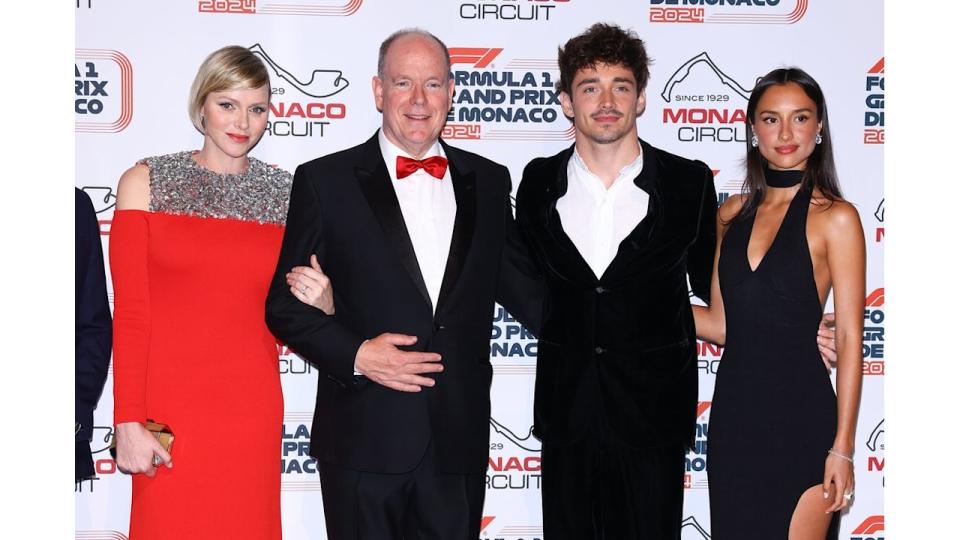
435, 166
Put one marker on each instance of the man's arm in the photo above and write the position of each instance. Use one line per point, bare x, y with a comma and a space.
316, 336
520, 288
320, 338
701, 252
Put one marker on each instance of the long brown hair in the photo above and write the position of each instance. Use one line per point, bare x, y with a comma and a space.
821, 173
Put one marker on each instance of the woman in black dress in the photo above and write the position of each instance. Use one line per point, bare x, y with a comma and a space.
781, 440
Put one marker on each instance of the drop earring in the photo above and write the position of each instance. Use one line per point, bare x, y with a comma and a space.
754, 142
819, 139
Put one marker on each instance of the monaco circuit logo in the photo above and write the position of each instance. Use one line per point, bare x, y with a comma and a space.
527, 442
705, 103
727, 12
300, 106
335, 8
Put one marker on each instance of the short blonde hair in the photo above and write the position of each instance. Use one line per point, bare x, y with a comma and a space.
232, 67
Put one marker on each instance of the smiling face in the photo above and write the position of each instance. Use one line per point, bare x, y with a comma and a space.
415, 93
604, 103
234, 120
786, 126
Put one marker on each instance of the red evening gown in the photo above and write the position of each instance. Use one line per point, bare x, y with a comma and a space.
191, 348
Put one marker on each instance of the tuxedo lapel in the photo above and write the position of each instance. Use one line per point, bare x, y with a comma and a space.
374, 182
465, 192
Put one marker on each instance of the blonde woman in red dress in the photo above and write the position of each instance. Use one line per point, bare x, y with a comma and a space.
193, 246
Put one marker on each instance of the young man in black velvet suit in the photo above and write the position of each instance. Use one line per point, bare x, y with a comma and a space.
616, 226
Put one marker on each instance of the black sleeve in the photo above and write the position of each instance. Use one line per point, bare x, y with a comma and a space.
702, 250
316, 336
520, 289
93, 330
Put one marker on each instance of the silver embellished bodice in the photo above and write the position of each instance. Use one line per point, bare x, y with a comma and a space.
179, 185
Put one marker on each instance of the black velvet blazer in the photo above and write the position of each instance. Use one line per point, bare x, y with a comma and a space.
618, 353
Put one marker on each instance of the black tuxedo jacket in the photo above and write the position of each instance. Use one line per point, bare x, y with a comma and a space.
618, 353
343, 209
93, 331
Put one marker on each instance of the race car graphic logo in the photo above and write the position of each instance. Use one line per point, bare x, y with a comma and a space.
744, 12
333, 8
103, 88
690, 529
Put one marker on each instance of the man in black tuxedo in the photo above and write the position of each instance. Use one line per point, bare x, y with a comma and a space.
616, 226
93, 330
419, 238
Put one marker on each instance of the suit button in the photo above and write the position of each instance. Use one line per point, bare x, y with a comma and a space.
601, 290
439, 326
599, 350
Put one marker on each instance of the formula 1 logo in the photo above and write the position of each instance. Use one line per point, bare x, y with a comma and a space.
705, 103
738, 12
337, 8
868, 529
690, 529
103, 88
497, 99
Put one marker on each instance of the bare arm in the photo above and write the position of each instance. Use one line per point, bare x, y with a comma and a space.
846, 260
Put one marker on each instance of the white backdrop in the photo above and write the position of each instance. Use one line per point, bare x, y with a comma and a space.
135, 62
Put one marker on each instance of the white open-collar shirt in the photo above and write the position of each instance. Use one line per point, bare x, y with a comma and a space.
596, 218
429, 208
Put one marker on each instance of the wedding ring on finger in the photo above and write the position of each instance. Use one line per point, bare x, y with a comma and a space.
848, 496
303, 288
157, 460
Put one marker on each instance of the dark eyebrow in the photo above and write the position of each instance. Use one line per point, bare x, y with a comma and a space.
794, 112
623, 80
591, 80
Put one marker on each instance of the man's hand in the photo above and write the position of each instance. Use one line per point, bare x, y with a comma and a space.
827, 340
382, 362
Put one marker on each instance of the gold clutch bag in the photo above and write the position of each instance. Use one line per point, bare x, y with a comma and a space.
161, 431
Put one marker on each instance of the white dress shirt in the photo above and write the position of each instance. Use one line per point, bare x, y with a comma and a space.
429, 208
597, 219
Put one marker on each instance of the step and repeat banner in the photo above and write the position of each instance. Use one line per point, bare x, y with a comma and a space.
135, 62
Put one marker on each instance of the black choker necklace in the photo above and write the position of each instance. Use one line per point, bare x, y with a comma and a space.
782, 179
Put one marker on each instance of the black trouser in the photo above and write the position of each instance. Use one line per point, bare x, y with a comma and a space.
602, 489
423, 504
